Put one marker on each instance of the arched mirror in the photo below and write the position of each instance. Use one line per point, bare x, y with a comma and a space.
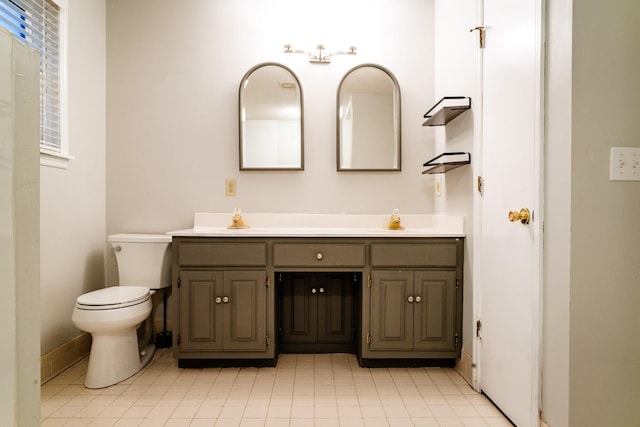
271, 135
368, 120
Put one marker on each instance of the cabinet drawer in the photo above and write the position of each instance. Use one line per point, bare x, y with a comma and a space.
318, 255
222, 254
413, 255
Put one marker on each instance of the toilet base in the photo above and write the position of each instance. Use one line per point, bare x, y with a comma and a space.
114, 357
146, 354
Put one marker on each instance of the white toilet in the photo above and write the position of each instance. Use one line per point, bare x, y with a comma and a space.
113, 314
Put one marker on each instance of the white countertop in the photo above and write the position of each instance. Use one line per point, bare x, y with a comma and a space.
323, 225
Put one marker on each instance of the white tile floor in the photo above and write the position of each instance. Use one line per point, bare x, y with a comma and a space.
303, 390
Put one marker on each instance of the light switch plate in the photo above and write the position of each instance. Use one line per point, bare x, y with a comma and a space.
625, 164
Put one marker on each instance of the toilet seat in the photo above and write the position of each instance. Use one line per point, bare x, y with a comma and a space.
113, 297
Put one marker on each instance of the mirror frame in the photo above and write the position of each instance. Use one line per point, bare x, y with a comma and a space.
241, 127
397, 168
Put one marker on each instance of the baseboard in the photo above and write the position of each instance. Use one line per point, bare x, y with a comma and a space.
465, 366
60, 358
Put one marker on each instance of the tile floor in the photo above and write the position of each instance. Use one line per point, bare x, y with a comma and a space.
303, 390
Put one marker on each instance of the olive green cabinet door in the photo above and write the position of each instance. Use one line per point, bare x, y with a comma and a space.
299, 309
413, 311
434, 309
201, 311
335, 308
223, 311
245, 311
391, 311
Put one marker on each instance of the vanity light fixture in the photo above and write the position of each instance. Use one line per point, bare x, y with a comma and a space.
320, 56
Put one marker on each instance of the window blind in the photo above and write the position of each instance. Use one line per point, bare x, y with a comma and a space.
37, 23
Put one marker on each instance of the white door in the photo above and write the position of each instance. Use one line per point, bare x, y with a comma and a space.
509, 251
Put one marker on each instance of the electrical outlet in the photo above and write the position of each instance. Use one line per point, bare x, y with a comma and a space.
438, 185
230, 187
624, 164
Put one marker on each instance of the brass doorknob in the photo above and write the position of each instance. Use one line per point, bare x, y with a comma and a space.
523, 216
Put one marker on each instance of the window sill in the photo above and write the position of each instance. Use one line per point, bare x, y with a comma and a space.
54, 159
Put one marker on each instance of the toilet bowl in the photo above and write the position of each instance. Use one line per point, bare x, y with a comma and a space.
112, 315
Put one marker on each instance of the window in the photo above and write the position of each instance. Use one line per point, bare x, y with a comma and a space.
39, 24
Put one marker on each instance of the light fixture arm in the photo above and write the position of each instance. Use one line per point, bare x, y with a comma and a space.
320, 56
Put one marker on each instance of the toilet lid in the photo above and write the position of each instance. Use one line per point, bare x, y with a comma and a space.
113, 297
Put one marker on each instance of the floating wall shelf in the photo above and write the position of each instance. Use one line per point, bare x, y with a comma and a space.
447, 109
446, 162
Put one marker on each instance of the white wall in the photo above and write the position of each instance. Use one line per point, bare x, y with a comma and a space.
173, 106
72, 215
455, 75
605, 272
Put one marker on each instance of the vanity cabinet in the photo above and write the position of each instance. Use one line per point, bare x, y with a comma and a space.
415, 311
241, 300
414, 302
224, 302
222, 311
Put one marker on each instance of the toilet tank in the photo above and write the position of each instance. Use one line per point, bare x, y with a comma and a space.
143, 259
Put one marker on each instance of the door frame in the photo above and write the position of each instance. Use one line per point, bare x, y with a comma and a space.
538, 209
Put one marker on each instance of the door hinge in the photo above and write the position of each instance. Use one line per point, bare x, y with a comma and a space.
179, 339
457, 283
478, 328
178, 282
481, 31
368, 338
480, 185
267, 340
369, 282
457, 339
266, 282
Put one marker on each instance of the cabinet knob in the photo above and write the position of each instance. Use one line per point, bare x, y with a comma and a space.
218, 300
225, 299
322, 290
313, 290
418, 298
319, 256
410, 299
